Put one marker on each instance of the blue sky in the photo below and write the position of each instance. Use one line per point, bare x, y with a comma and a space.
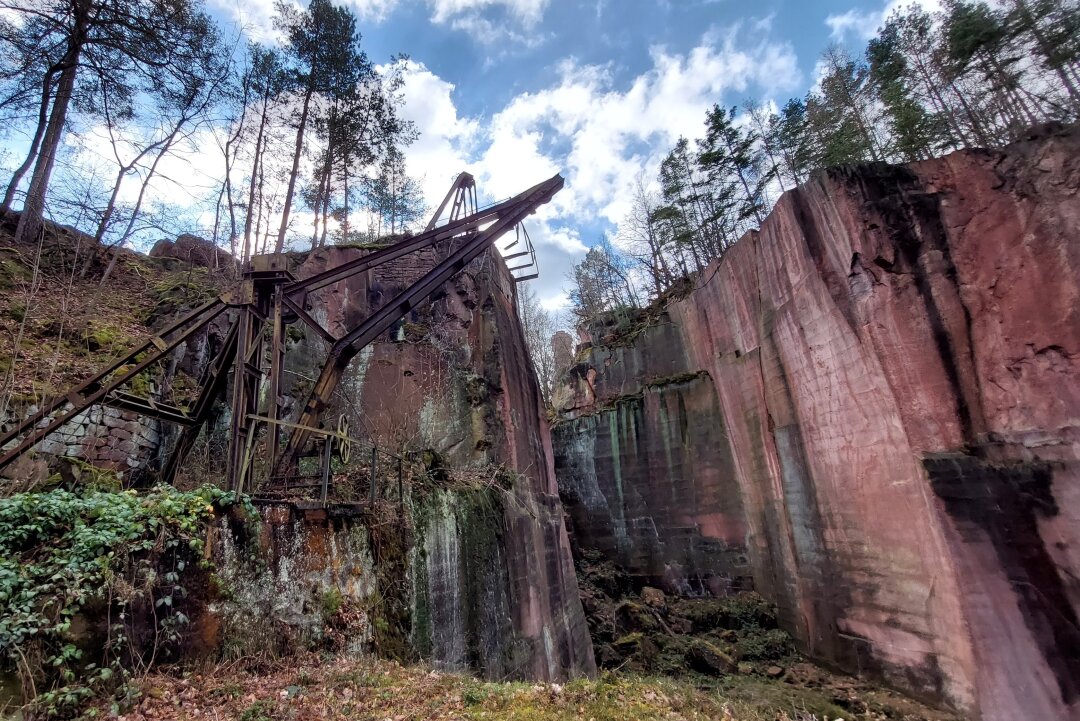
599, 90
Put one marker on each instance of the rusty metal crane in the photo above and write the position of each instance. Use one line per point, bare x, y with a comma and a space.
269, 296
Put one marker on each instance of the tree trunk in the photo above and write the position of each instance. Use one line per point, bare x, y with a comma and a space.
326, 207
316, 206
939, 101
35, 142
746, 189
103, 223
246, 252
138, 205
976, 126
280, 244
1047, 51
345, 216
30, 222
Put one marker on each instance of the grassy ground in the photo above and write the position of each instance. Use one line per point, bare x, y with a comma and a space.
338, 687
59, 324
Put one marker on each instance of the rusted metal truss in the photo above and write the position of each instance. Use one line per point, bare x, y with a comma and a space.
269, 297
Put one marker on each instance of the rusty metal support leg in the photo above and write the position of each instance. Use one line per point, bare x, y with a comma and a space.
247, 376
328, 449
401, 483
277, 362
238, 432
213, 385
374, 461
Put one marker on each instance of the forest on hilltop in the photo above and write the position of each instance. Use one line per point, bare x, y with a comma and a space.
310, 121
971, 75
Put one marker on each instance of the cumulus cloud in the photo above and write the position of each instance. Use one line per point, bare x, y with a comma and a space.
446, 139
600, 133
857, 23
255, 17
485, 21
528, 12
611, 133
864, 24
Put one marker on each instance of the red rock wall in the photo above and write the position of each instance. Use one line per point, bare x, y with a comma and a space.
895, 359
455, 378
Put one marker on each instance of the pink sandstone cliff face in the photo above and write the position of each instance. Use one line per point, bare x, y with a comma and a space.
869, 411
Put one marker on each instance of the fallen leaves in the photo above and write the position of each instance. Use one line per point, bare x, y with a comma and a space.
332, 688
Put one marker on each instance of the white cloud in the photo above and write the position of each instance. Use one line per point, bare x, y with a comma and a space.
864, 24
446, 139
485, 21
528, 12
599, 133
255, 17
861, 24
372, 10
612, 133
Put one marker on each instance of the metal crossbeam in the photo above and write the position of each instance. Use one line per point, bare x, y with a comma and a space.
514, 211
268, 298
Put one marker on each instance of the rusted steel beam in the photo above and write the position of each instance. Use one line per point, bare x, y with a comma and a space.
147, 407
462, 183
277, 366
208, 312
308, 320
213, 385
399, 249
247, 376
514, 211
75, 395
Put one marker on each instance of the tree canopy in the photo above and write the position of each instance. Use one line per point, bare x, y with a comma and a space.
973, 74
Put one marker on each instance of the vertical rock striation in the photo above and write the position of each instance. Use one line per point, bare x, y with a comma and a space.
493, 579
870, 412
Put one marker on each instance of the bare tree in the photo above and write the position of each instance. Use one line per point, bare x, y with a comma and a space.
641, 235
539, 327
142, 46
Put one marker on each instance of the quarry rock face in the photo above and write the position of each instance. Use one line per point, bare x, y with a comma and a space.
478, 573
869, 412
492, 579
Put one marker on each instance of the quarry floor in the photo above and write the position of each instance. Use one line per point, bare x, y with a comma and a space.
342, 687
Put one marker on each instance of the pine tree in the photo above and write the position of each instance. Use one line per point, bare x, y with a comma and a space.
730, 159
684, 214
915, 133
1054, 29
841, 115
136, 47
393, 196
977, 40
267, 79
790, 131
326, 64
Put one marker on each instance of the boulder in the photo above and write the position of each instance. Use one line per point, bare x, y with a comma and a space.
708, 659
192, 249
653, 597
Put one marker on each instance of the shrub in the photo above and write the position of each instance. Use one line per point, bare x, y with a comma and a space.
64, 553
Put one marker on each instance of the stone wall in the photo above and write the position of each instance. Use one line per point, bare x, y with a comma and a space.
109, 438
425, 580
883, 418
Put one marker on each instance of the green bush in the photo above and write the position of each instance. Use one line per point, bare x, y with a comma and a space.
64, 552
769, 645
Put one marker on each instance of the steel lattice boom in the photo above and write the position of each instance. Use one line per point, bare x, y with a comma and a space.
269, 296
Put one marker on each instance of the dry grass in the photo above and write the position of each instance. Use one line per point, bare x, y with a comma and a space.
342, 687
57, 326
